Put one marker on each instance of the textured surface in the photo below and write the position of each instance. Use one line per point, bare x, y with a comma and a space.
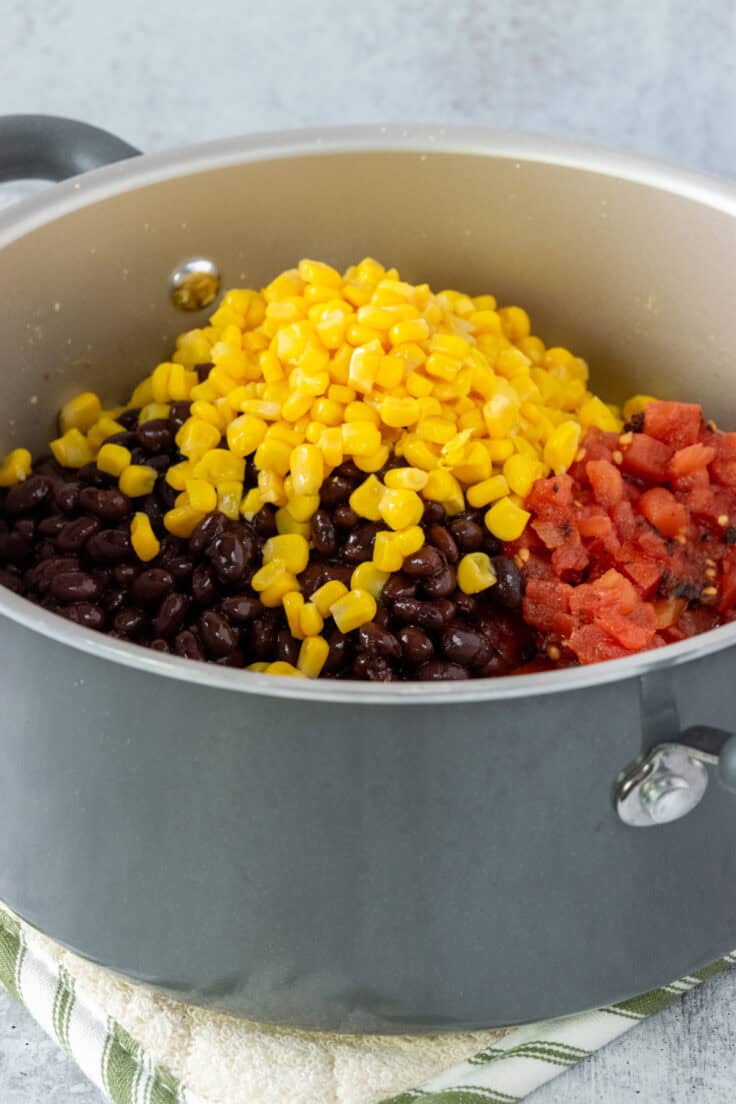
656, 78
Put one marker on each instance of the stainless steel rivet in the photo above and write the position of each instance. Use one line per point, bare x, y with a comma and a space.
194, 284
668, 784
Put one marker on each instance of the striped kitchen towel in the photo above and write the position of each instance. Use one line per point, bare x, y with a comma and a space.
139, 1047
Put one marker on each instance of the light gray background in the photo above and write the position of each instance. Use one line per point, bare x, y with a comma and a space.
656, 77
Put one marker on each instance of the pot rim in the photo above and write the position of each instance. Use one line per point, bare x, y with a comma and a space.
425, 141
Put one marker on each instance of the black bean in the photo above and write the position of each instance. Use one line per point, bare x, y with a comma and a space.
129, 622
465, 646
91, 474
233, 659
74, 586
203, 585
335, 490
466, 604
217, 634
128, 439
441, 585
160, 463
340, 653
496, 666
241, 608
109, 546
416, 646
262, 636
398, 586
203, 371
159, 646
434, 514
156, 435
114, 598
152, 585
210, 527
129, 418
374, 640
25, 528
426, 561
178, 413
171, 614
441, 538
111, 505
373, 668
287, 648
358, 547
46, 465
468, 534
85, 614
428, 615
228, 558
24, 497
45, 550
264, 521
75, 534
342, 572
383, 616
52, 525
509, 588
492, 545
124, 573
14, 549
322, 532
436, 670
345, 517
312, 578
66, 497
166, 494
10, 580
187, 645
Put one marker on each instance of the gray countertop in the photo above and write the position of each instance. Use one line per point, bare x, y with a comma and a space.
657, 78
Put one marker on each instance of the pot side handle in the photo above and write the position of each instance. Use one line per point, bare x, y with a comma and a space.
48, 147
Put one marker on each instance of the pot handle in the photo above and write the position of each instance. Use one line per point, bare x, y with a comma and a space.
48, 147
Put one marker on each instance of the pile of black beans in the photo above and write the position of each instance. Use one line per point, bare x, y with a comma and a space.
65, 544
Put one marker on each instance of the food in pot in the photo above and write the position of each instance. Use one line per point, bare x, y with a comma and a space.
351, 476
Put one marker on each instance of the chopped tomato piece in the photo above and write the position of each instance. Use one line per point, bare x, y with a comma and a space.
569, 559
661, 508
690, 459
551, 534
727, 598
647, 458
723, 467
644, 574
591, 645
555, 491
595, 525
606, 481
677, 424
667, 611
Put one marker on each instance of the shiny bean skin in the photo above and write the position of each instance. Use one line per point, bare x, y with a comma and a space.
85, 614
374, 640
467, 534
109, 546
152, 586
159, 646
217, 634
358, 547
171, 614
264, 522
203, 586
335, 490
341, 649
178, 414
75, 534
373, 668
128, 622
27, 496
156, 435
398, 586
345, 517
241, 608
509, 588
262, 637
209, 528
91, 474
129, 418
441, 585
416, 646
228, 558
465, 646
426, 561
187, 645
441, 538
437, 670
74, 586
434, 514
51, 526
287, 648
66, 497
110, 505
427, 615
322, 532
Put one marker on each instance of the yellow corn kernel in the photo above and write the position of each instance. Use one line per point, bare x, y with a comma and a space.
398, 412
270, 366
72, 450
314, 432
311, 621
208, 412
420, 455
376, 318
181, 382
354, 609
279, 667
413, 330
290, 548
637, 405
451, 344
475, 465
387, 554
500, 414
409, 540
271, 488
475, 573
400, 508
302, 507
366, 499
443, 487
307, 469
312, 656
368, 577
103, 429
142, 394
160, 382
293, 605
196, 437
437, 430
360, 438
330, 445
218, 465
412, 354
515, 322
327, 411
364, 365
137, 480
269, 574
260, 667
146, 544
405, 479
273, 595
489, 490
339, 393
80, 413
177, 474
202, 495
506, 520
273, 456
16, 467
229, 494
560, 450
594, 412
375, 461
390, 373
182, 521
326, 595
113, 459
282, 431
316, 272
361, 412
418, 385
286, 523
520, 473
153, 411
251, 503
203, 392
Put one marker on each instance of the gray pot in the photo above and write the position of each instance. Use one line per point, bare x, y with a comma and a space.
350, 856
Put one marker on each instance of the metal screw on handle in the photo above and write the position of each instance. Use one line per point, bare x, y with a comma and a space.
671, 780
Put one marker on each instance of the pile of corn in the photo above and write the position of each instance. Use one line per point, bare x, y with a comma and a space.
321, 367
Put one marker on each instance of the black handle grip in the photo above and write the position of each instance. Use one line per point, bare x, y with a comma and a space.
47, 147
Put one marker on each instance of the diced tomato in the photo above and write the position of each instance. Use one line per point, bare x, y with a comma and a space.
625, 630
606, 481
647, 458
723, 467
727, 599
551, 534
690, 459
591, 645
569, 559
677, 424
644, 574
546, 605
555, 491
595, 525
695, 619
624, 519
661, 508
599, 445
667, 611
610, 591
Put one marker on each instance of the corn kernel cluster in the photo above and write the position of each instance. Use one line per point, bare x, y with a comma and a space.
321, 367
